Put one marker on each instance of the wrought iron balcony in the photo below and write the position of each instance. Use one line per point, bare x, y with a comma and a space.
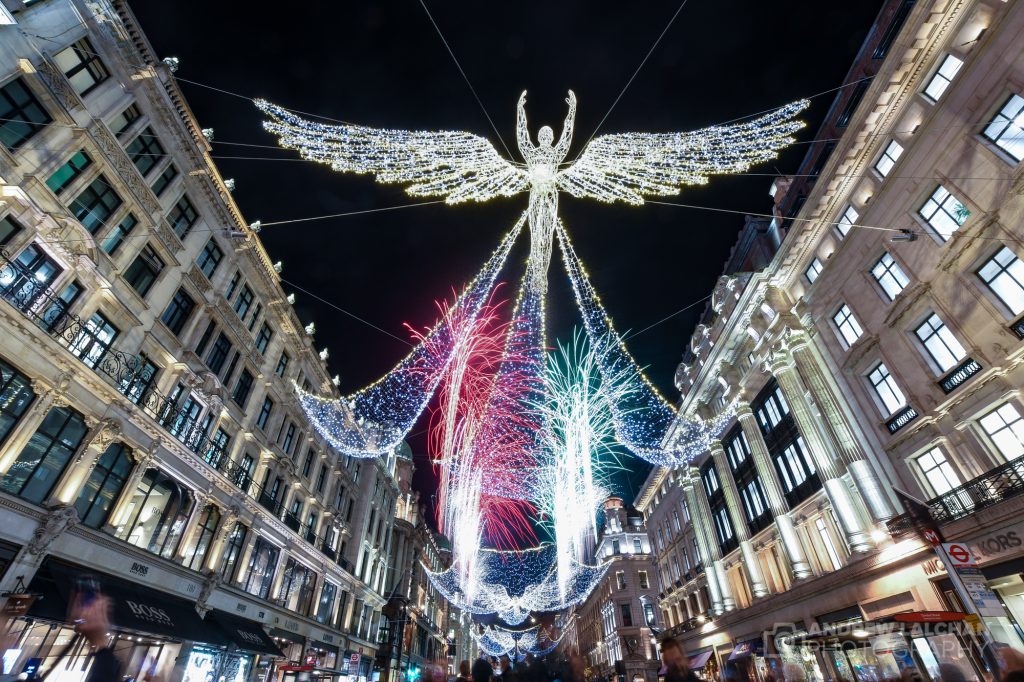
958, 375
292, 522
901, 419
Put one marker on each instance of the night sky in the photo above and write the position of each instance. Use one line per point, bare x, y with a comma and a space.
383, 64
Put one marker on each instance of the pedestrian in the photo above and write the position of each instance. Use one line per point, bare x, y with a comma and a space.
677, 664
464, 674
482, 670
90, 612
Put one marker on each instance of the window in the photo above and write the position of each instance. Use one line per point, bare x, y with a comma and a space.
620, 579
21, 114
1006, 130
885, 387
8, 228
119, 233
889, 158
243, 302
771, 409
16, 395
145, 150
164, 180
282, 364
289, 438
218, 353
627, 614
794, 466
644, 582
233, 550
243, 387
893, 29
209, 258
254, 318
940, 343
39, 465
261, 569
326, 606
307, 465
1006, 429
178, 311
851, 105
53, 317
737, 450
616, 547
723, 526
182, 217
826, 539
649, 617
847, 221
135, 384
82, 66
937, 470
66, 174
233, 285
1004, 275
208, 523
94, 206
710, 477
849, 328
753, 500
890, 276
94, 340
944, 213
124, 120
265, 410
24, 282
263, 338
813, 270
104, 485
141, 274
638, 546
321, 478
943, 77
676, 525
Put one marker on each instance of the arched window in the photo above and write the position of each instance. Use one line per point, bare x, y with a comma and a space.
208, 523
157, 514
35, 472
104, 485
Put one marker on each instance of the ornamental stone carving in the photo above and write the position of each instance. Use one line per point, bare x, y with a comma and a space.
53, 525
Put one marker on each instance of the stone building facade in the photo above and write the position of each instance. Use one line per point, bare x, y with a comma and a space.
149, 430
614, 628
878, 348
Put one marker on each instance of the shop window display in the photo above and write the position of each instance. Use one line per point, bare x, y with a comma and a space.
156, 515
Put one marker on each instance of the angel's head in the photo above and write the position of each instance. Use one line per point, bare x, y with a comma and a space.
546, 136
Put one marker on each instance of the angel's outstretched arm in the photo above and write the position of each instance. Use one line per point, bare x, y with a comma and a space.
562, 148
522, 134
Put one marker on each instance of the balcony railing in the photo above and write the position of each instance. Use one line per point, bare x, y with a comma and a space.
132, 377
901, 419
957, 376
998, 485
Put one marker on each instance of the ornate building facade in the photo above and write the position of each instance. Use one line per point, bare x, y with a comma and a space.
614, 628
879, 347
149, 432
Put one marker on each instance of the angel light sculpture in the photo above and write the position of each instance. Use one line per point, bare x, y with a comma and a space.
460, 167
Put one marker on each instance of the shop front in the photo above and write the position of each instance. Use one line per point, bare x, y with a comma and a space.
147, 627
251, 649
748, 658
324, 658
703, 664
293, 667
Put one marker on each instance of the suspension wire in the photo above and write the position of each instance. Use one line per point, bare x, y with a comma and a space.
455, 59
342, 310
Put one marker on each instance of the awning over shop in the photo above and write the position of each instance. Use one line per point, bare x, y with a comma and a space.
139, 608
698, 661
247, 634
324, 646
748, 647
290, 636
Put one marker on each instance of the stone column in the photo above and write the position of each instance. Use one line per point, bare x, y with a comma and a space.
17, 439
865, 478
282, 561
739, 521
202, 502
216, 551
143, 462
829, 470
718, 582
73, 479
773, 489
31, 555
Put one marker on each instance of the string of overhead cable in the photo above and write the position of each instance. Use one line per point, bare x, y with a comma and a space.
455, 59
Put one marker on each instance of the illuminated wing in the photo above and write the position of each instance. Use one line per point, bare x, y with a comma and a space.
456, 165
628, 166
